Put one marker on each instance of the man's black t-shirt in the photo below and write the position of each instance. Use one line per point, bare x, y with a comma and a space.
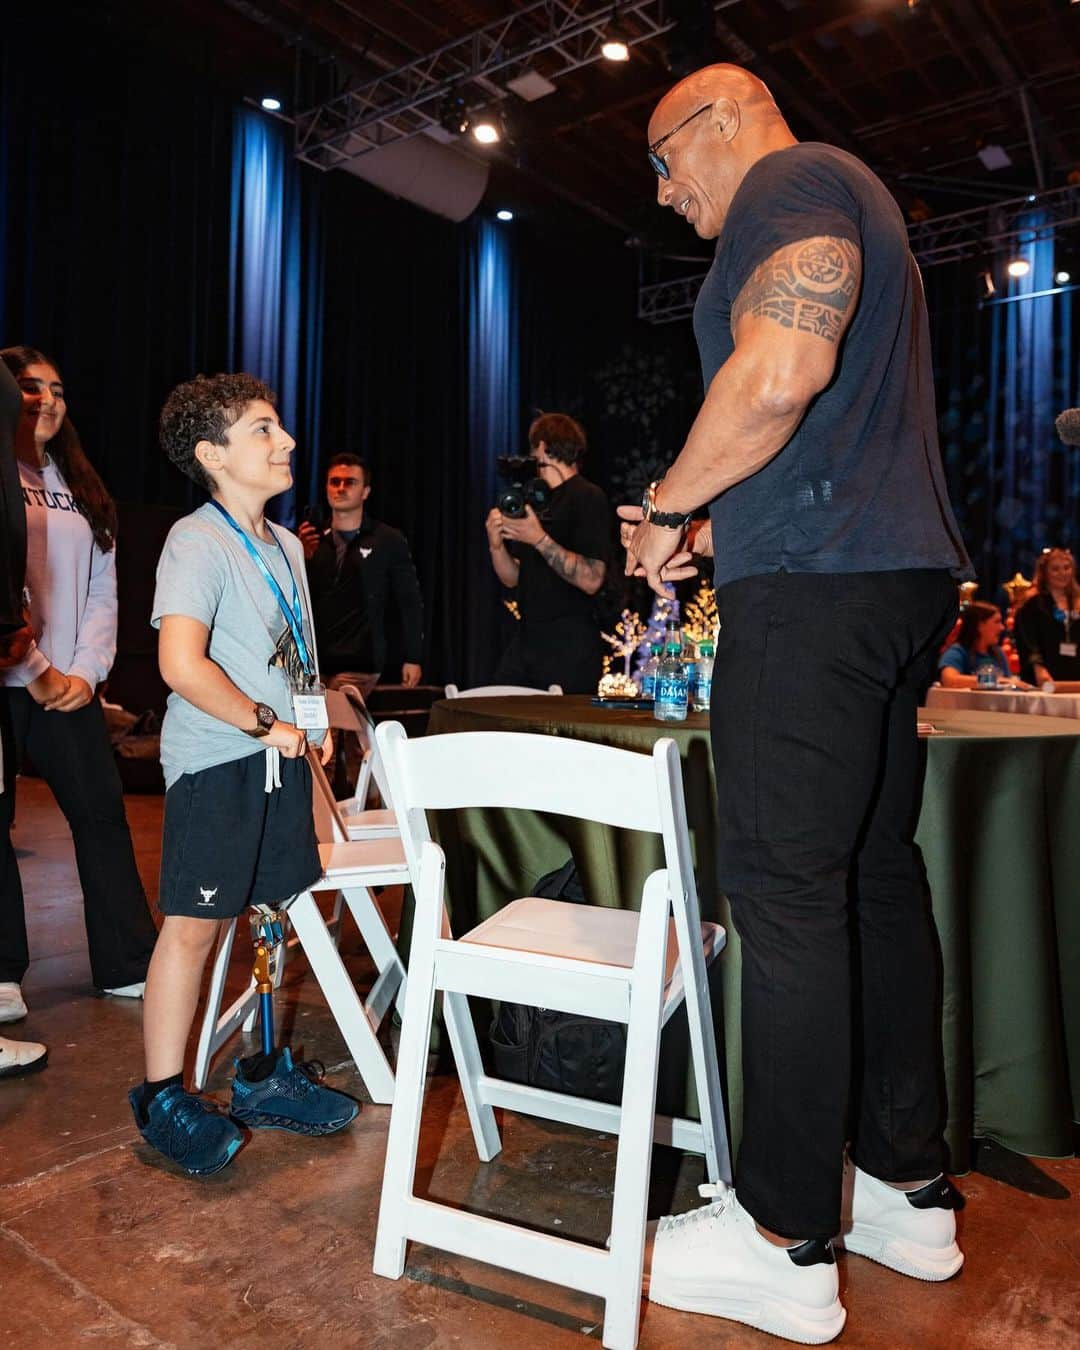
578, 517
860, 486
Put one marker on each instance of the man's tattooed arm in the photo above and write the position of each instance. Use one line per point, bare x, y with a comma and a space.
811, 286
587, 574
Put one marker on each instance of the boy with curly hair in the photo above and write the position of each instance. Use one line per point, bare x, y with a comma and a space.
236, 646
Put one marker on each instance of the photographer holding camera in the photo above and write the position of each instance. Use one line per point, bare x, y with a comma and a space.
557, 561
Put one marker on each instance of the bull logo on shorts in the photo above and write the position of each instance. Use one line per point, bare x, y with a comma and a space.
207, 896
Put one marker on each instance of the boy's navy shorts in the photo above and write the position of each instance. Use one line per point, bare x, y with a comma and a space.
228, 843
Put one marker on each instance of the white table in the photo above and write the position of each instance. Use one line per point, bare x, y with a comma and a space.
1006, 701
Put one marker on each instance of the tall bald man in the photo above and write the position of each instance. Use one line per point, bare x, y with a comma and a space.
836, 564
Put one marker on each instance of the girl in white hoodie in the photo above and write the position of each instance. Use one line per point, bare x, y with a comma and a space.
48, 703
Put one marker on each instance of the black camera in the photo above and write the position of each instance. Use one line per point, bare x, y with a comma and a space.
526, 488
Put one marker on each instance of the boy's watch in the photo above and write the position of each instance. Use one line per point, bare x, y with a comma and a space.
265, 717
668, 520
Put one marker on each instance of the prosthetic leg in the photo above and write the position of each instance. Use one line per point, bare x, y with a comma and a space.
268, 938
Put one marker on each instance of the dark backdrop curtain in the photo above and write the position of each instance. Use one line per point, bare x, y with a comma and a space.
1003, 371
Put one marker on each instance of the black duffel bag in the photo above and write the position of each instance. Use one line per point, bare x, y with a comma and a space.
560, 1051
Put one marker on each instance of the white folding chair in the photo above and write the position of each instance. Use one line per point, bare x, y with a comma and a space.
498, 690
350, 869
348, 712
612, 963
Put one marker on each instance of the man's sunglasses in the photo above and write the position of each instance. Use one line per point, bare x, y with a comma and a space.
656, 160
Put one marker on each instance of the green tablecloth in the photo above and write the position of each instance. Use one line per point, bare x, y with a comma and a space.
999, 838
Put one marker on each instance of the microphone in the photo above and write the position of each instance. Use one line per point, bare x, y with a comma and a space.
1068, 426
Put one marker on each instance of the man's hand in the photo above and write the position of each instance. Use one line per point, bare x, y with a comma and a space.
524, 529
49, 688
410, 674
78, 695
494, 526
290, 740
309, 536
658, 555
326, 750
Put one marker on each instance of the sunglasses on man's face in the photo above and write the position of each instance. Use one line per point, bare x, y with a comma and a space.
659, 164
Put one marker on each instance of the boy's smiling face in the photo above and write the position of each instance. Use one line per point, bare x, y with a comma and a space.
257, 455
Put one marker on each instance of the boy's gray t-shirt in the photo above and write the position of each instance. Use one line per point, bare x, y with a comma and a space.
206, 573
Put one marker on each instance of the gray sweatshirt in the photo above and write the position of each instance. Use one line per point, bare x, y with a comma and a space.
72, 585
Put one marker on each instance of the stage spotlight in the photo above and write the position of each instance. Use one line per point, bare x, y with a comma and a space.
504, 214
1062, 278
615, 46
1018, 267
272, 104
453, 115
486, 130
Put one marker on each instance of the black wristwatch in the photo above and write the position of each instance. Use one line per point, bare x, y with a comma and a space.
668, 520
265, 717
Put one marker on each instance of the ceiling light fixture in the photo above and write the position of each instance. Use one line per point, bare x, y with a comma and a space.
1062, 278
615, 47
454, 115
272, 104
1018, 267
486, 131
504, 214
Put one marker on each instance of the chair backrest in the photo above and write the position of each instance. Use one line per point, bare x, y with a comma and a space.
552, 774
348, 712
330, 827
498, 690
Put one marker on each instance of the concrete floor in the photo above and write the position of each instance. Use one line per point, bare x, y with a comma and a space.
100, 1244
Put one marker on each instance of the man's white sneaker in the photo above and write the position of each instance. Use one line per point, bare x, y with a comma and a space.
128, 990
913, 1232
21, 1057
713, 1260
12, 1006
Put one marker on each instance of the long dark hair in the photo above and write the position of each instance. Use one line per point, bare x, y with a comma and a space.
972, 618
65, 450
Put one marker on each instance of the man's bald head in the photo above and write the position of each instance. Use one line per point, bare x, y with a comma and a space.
707, 86
714, 126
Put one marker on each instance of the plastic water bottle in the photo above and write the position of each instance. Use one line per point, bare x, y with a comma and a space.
703, 686
689, 660
670, 703
649, 669
986, 673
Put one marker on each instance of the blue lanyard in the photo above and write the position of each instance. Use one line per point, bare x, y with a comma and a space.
294, 615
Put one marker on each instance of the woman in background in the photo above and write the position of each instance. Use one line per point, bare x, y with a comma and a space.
48, 700
975, 643
1048, 622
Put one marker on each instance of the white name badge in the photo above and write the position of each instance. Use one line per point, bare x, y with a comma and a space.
1067, 649
309, 709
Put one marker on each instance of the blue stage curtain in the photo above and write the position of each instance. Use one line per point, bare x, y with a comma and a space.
1030, 369
275, 287
494, 423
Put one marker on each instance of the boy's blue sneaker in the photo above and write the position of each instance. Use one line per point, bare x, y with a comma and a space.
187, 1130
274, 1093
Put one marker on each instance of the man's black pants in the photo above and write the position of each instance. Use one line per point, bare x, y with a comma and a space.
72, 753
819, 781
565, 652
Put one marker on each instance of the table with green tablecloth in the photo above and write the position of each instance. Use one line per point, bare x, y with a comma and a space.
999, 838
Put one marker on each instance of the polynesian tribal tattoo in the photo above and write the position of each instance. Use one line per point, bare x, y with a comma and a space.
808, 286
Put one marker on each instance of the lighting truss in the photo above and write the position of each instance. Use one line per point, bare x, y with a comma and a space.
404, 102
965, 234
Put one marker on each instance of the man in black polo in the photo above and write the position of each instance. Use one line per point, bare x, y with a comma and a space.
356, 569
557, 562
